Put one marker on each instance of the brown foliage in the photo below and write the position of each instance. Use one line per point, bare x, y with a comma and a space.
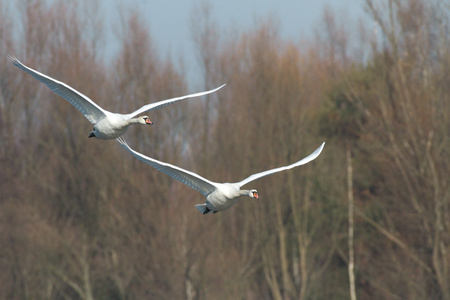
81, 219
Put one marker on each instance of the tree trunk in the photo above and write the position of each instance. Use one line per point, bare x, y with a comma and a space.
351, 258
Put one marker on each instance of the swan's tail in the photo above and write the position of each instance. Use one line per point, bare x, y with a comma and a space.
203, 208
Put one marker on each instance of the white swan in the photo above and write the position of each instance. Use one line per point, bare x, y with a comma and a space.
219, 196
107, 125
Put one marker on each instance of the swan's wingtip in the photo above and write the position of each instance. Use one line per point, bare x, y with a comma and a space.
319, 150
12, 58
15, 61
220, 87
122, 141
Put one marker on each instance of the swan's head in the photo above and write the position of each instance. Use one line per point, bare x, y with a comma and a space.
145, 120
253, 194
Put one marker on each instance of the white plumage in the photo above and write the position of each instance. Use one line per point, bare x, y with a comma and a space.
107, 125
219, 196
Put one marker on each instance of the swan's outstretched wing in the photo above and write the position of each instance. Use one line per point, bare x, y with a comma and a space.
160, 104
86, 106
305, 160
190, 179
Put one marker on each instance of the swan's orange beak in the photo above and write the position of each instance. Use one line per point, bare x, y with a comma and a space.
148, 121
256, 195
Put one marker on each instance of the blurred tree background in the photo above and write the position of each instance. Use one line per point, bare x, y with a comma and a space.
81, 219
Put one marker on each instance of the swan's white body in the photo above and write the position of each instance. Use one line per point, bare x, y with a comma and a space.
107, 125
219, 196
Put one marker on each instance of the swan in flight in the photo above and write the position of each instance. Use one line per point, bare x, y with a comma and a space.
219, 196
107, 125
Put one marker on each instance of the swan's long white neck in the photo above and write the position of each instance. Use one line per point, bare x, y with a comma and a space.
245, 193
134, 121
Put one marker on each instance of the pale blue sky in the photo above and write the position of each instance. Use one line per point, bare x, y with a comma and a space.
169, 22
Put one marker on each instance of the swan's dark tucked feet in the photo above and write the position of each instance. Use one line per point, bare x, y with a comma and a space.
219, 196
108, 125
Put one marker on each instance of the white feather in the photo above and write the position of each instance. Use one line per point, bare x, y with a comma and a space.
108, 125
219, 196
